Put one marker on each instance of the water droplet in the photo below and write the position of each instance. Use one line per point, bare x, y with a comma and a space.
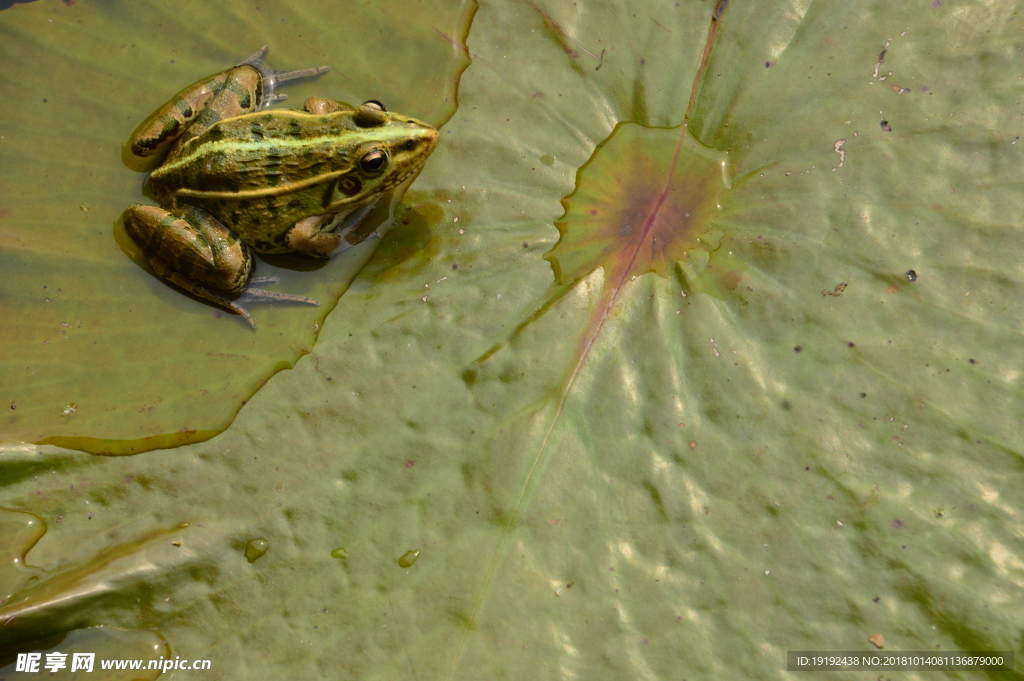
340, 554
911, 275
408, 559
255, 549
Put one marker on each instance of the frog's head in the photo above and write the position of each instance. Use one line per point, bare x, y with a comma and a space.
383, 150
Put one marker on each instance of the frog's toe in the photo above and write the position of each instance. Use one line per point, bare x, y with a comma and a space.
206, 294
254, 294
239, 310
272, 79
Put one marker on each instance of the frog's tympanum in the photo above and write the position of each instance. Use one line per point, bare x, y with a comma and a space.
237, 176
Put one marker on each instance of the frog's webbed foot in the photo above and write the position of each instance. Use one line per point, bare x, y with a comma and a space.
272, 79
248, 295
206, 294
253, 294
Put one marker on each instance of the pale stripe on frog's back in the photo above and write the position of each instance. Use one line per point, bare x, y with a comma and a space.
282, 151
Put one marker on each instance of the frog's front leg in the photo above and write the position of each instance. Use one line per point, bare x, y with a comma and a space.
199, 254
322, 236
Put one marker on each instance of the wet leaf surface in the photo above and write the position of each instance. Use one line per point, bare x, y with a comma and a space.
599, 476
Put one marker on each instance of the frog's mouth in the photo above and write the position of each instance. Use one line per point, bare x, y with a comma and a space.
409, 156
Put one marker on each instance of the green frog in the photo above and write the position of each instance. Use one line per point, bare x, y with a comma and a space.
236, 177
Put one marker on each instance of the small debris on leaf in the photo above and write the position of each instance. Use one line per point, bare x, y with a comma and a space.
837, 291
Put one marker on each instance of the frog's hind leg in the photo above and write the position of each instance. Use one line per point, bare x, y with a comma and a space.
199, 254
156, 135
272, 79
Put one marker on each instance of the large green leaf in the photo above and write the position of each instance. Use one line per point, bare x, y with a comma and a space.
626, 441
99, 354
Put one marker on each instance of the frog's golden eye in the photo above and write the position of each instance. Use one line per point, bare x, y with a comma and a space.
374, 162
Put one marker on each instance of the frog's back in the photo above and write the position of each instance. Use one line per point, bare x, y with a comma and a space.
261, 172
276, 152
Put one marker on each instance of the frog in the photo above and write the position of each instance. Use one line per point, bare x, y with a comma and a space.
233, 177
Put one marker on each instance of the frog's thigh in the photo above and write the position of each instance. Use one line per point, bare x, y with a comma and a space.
161, 130
195, 247
306, 237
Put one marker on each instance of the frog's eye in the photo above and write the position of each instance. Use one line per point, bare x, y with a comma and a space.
374, 162
371, 114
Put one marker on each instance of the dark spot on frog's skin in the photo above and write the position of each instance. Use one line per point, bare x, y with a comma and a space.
261, 245
246, 101
884, 124
230, 184
270, 208
186, 109
169, 129
244, 204
213, 135
256, 130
